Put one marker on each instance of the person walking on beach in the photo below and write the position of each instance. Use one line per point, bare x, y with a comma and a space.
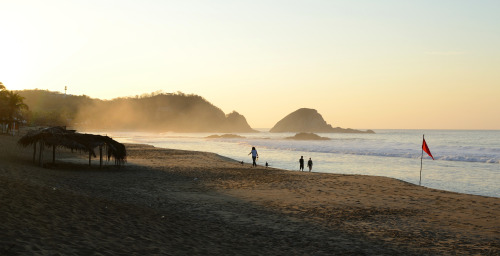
310, 164
301, 163
255, 155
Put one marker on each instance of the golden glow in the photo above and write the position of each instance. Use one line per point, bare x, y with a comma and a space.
361, 64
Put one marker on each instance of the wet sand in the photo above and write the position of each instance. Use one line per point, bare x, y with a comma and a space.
174, 202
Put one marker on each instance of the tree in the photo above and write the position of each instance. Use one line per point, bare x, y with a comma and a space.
3, 103
14, 105
11, 105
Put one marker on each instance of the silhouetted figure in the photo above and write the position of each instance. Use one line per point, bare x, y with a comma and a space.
310, 164
255, 155
241, 163
267, 165
301, 163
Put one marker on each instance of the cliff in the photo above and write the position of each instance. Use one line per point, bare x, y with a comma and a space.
309, 120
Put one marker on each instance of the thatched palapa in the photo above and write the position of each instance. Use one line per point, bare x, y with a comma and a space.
60, 137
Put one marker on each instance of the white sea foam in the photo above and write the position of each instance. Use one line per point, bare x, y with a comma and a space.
373, 147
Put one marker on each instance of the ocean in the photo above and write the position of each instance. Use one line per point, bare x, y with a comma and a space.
466, 161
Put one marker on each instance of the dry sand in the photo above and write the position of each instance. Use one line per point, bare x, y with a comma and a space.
172, 202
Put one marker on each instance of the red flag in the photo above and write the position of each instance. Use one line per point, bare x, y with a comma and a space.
426, 149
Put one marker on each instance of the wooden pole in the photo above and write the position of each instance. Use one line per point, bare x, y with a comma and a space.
100, 156
421, 157
40, 154
34, 152
53, 154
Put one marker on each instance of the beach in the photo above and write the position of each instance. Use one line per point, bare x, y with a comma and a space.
176, 202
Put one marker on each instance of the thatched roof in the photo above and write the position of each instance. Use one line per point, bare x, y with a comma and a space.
60, 137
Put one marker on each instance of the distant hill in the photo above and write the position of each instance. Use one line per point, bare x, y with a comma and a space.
309, 120
175, 112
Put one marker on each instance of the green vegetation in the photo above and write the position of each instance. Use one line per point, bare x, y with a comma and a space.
52, 108
11, 107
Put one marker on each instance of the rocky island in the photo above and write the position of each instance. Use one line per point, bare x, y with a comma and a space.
309, 120
225, 136
307, 136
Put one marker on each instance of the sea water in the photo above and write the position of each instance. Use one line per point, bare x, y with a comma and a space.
464, 161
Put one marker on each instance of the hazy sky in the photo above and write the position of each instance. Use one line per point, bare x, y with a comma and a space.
362, 64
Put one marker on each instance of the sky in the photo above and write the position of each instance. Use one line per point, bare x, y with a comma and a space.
388, 64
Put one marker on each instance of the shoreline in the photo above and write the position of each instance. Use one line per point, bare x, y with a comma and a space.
471, 172
167, 201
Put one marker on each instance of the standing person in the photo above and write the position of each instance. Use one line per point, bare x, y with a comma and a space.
255, 155
301, 163
310, 164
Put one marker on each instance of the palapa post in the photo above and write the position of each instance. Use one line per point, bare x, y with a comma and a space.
100, 156
40, 156
53, 154
34, 153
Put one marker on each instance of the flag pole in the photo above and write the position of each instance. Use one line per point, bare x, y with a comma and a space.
421, 157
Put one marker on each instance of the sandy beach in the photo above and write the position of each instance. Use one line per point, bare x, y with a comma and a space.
173, 202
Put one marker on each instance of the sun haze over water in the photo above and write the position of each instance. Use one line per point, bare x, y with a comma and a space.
361, 64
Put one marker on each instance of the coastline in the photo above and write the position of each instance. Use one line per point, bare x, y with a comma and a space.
179, 202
